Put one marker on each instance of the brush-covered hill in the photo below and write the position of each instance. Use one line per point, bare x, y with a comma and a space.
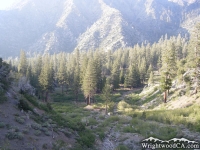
49, 26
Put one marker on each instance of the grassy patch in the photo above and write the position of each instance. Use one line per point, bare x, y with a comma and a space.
148, 129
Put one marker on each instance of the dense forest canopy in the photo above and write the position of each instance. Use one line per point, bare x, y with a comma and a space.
129, 67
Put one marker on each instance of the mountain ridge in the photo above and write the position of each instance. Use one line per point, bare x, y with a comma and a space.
51, 27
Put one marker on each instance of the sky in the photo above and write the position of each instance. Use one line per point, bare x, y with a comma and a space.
5, 3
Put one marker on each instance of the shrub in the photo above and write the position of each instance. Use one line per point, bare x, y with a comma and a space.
3, 98
14, 135
38, 133
87, 138
36, 126
23, 105
25, 131
19, 120
101, 135
47, 133
2, 125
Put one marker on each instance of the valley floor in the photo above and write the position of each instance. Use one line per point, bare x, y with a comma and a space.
137, 114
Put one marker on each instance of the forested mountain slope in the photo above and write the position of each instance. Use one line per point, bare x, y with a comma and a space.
49, 26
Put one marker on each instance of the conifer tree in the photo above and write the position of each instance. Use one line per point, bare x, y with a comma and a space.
122, 78
106, 95
22, 67
151, 78
61, 74
166, 84
46, 77
98, 66
143, 70
194, 55
132, 78
89, 81
115, 75
76, 77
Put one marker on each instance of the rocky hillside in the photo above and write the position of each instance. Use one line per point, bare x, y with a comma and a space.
49, 26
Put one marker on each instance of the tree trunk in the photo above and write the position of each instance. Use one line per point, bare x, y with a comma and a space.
106, 109
165, 97
62, 88
89, 103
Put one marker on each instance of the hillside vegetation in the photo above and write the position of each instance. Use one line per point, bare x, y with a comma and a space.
102, 99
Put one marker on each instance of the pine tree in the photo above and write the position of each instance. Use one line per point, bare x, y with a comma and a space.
89, 85
132, 78
122, 78
143, 70
166, 84
98, 66
61, 74
22, 67
115, 75
46, 77
151, 78
76, 77
168, 69
194, 55
106, 95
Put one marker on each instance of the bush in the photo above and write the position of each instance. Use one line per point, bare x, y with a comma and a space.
14, 135
25, 131
23, 105
36, 126
47, 133
38, 133
2, 125
87, 138
19, 120
3, 98
101, 135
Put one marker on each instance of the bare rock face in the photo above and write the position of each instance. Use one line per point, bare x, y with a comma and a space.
63, 25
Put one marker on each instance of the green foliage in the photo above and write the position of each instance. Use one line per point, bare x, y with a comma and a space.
3, 98
101, 135
89, 81
46, 106
23, 105
87, 138
22, 67
2, 125
151, 78
19, 120
36, 126
59, 144
115, 75
132, 78
11, 135
187, 116
166, 83
38, 133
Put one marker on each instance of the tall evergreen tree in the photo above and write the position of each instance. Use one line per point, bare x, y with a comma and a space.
115, 75
132, 78
46, 77
89, 82
106, 95
22, 67
76, 77
61, 74
194, 55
